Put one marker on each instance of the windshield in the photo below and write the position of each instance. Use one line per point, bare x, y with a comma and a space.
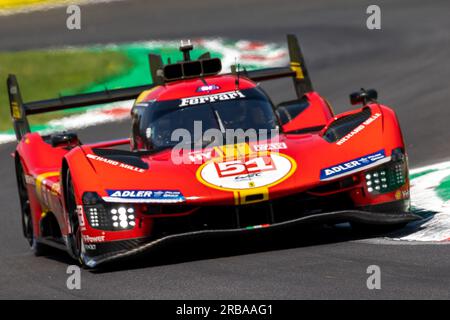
246, 109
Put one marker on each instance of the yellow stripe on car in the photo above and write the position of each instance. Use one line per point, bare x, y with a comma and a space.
144, 94
234, 151
41, 177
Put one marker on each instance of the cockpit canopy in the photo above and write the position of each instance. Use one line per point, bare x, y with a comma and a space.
203, 120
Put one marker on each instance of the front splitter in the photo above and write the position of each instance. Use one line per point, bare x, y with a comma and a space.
357, 216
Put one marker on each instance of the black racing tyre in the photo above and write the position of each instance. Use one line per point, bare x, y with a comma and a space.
75, 237
38, 248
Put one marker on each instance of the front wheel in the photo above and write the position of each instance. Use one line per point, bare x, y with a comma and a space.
75, 238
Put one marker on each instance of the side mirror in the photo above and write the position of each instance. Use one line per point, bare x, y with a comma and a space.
64, 139
363, 96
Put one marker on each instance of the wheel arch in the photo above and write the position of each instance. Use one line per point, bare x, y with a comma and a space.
63, 182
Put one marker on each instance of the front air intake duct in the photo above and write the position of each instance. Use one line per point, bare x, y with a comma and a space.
343, 126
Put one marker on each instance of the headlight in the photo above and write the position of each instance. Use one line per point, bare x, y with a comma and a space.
123, 217
388, 177
105, 216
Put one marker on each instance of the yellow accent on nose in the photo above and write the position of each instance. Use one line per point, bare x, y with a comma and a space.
234, 151
144, 94
247, 196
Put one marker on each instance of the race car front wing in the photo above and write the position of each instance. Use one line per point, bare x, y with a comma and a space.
118, 250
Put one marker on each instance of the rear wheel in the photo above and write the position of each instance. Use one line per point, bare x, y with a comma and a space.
26, 214
75, 238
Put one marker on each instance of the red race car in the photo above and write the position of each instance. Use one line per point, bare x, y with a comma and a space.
209, 153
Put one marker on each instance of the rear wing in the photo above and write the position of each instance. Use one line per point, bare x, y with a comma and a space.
296, 70
20, 110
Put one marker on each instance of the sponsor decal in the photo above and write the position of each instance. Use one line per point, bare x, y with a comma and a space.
90, 246
354, 165
230, 95
115, 163
251, 166
156, 196
233, 151
198, 156
269, 146
97, 239
358, 129
16, 112
80, 215
207, 88
297, 68
247, 172
29, 179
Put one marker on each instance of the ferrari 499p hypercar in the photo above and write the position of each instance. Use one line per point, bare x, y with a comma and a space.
181, 175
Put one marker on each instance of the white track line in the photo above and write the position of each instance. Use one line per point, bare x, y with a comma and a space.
424, 198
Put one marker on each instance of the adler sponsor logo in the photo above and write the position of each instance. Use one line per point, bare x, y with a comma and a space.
354, 165
342, 167
230, 95
145, 195
131, 194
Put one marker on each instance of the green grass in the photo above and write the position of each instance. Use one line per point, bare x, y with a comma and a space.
443, 190
46, 74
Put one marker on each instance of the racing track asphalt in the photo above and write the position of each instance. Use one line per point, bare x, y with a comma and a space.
407, 61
